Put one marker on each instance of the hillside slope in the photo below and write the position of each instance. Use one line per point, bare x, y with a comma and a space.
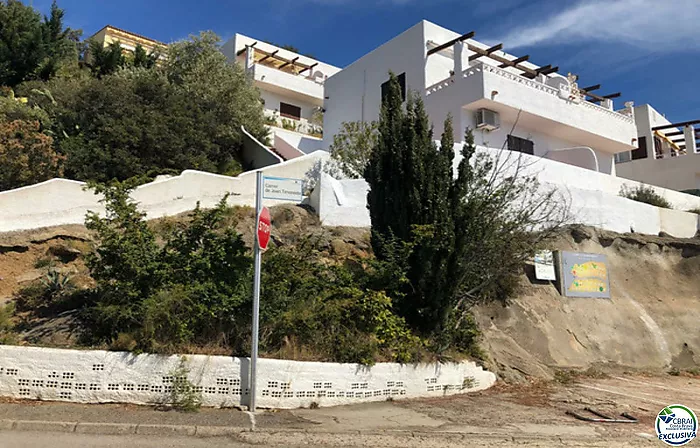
650, 323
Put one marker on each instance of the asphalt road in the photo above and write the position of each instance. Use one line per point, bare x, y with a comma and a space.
71, 440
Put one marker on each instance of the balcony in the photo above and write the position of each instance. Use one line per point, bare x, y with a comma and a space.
547, 106
302, 125
284, 82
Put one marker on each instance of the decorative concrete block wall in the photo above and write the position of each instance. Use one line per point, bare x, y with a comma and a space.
95, 376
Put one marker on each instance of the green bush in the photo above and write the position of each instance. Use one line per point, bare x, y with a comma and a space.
332, 310
7, 327
645, 194
186, 291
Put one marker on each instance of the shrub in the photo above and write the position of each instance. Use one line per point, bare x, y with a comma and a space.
352, 146
694, 210
332, 310
27, 155
459, 239
645, 194
187, 290
289, 125
7, 332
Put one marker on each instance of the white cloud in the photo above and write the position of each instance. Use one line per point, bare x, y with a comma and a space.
654, 24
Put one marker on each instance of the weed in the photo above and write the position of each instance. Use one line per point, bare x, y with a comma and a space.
645, 194
184, 396
43, 262
564, 376
674, 371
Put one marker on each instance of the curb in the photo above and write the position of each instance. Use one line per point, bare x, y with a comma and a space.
120, 428
270, 434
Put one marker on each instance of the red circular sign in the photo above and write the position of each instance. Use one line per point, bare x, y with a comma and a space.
264, 227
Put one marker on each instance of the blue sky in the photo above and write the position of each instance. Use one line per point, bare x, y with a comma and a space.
647, 49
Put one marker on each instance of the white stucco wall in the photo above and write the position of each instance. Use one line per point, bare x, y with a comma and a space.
677, 173
593, 199
61, 201
354, 94
94, 376
305, 143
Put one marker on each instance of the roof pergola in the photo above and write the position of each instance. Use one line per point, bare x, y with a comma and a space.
658, 130
273, 60
516, 63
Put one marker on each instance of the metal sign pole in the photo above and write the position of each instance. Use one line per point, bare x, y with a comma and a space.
256, 292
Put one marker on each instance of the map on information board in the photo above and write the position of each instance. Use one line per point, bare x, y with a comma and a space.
585, 275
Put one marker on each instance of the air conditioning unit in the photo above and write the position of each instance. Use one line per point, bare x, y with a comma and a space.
487, 120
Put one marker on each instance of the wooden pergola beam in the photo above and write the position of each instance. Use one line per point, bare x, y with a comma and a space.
515, 62
269, 55
500, 59
591, 88
308, 68
613, 95
448, 44
487, 52
538, 71
675, 125
240, 52
549, 70
288, 63
596, 98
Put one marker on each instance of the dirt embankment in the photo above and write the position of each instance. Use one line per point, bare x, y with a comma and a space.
27, 257
649, 324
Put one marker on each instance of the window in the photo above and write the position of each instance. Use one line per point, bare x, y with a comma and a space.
290, 111
402, 83
623, 157
641, 151
521, 145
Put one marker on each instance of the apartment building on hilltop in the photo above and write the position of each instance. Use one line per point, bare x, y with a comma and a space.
292, 90
507, 100
128, 40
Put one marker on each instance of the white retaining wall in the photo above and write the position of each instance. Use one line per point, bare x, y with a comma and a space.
94, 376
61, 201
593, 199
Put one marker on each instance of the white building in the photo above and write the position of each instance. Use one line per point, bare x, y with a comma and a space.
291, 87
667, 153
537, 110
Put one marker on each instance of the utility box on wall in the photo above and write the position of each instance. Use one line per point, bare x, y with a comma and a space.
584, 275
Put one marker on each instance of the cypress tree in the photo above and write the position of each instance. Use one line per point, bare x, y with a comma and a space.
410, 182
